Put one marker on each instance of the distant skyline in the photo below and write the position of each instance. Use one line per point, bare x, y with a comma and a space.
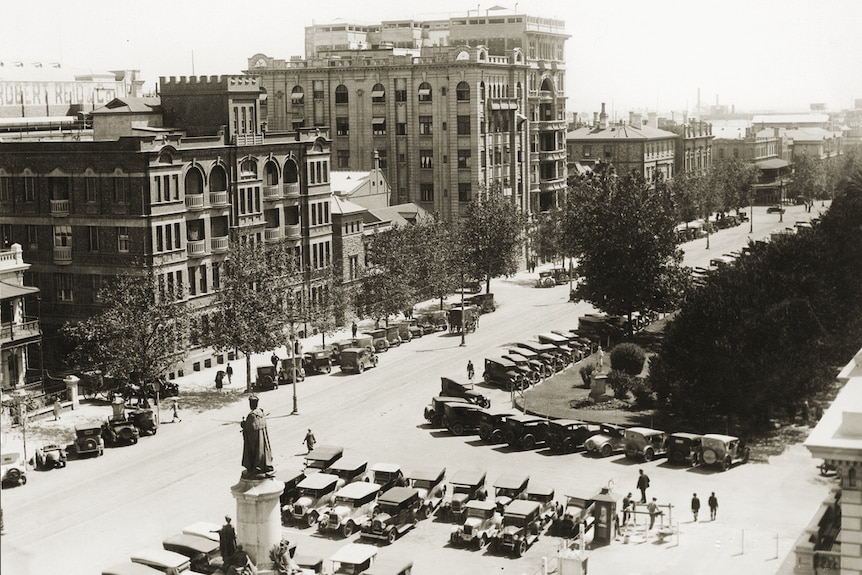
635, 55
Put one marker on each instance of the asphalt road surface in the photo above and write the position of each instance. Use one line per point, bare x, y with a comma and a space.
96, 512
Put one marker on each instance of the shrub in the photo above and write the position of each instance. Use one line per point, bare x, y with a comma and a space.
642, 392
586, 372
628, 357
621, 382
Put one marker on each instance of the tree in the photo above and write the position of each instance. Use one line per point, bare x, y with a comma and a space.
434, 255
622, 232
732, 181
140, 333
326, 304
490, 235
546, 236
249, 314
388, 280
808, 178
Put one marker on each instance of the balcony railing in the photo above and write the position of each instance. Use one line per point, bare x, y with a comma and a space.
552, 185
195, 201
272, 192
291, 189
293, 232
248, 139
29, 328
550, 125
272, 234
196, 248
219, 198
60, 207
219, 245
63, 255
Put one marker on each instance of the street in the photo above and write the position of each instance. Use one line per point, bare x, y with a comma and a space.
96, 512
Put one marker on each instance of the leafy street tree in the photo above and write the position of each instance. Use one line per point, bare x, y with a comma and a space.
387, 284
546, 236
490, 235
808, 178
622, 232
140, 333
325, 305
435, 256
732, 181
685, 191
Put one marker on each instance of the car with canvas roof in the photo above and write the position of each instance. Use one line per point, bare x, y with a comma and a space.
203, 554
13, 469
520, 528
352, 559
390, 565
578, 511
430, 482
492, 423
503, 373
723, 451
167, 562
525, 431
609, 440
481, 523
465, 485
684, 448
378, 339
129, 568
387, 476
434, 411
397, 513
461, 418
348, 470
322, 457
291, 478
544, 496
542, 367
316, 492
508, 487
545, 353
531, 372
88, 441
357, 359
352, 506
451, 388
568, 435
645, 443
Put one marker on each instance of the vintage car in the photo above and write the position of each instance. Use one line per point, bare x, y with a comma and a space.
561, 275
389, 565
317, 360
321, 457
49, 456
645, 443
547, 354
544, 496
503, 373
434, 411
203, 554
481, 524
291, 479
464, 486
451, 388
492, 424
165, 561
308, 564
128, 568
352, 559
561, 342
315, 493
466, 318
775, 209
543, 367
508, 487
144, 420
461, 418
430, 483
117, 431
348, 470
609, 440
336, 347
267, 378
484, 301
684, 448
352, 506
416, 328
13, 469
546, 280
378, 339
397, 513
405, 334
357, 359
88, 441
387, 476
723, 451
578, 511
204, 529
525, 367
436, 320
567, 435
519, 529
393, 335
525, 431
472, 286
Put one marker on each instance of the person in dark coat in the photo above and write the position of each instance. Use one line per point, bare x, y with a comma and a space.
643, 484
256, 452
695, 506
713, 506
226, 540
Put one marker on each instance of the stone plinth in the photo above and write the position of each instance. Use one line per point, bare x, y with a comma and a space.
71, 382
599, 386
258, 518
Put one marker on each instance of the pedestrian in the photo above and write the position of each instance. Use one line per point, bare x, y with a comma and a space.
309, 440
175, 408
274, 360
229, 372
470, 371
713, 506
354, 328
643, 484
695, 506
219, 380
58, 408
226, 540
652, 507
627, 508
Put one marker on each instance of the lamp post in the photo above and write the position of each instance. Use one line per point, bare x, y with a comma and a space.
780, 199
296, 349
750, 213
463, 312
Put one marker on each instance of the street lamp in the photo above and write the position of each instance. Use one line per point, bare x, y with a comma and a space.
750, 213
463, 312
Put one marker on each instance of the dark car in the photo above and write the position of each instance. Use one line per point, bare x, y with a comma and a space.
567, 435
451, 388
336, 347
532, 371
88, 441
393, 335
267, 378
116, 432
508, 487
144, 420
684, 448
521, 525
776, 209
503, 373
433, 321
357, 359
464, 486
378, 339
322, 457
434, 411
317, 360
547, 354
291, 478
578, 511
492, 424
526, 431
203, 553
387, 476
466, 318
484, 301
397, 512
416, 328
461, 418
348, 470
404, 331
561, 342
543, 367
546, 280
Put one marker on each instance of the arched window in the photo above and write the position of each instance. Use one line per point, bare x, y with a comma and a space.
378, 94
291, 172
297, 95
248, 169
218, 179
462, 92
271, 174
482, 91
425, 92
341, 94
194, 182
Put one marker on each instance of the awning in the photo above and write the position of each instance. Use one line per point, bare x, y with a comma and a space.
425, 92
772, 164
12, 290
378, 121
378, 93
296, 96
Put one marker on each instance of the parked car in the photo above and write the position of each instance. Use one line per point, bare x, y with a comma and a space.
267, 378
357, 359
348, 470
430, 482
416, 328
567, 435
775, 209
144, 420
13, 469
561, 275
378, 339
508, 487
464, 486
397, 513
723, 451
547, 354
128, 568
434, 411
116, 432
167, 562
405, 334
352, 559
481, 524
492, 424
203, 554
645, 443
387, 476
472, 286
684, 448
466, 317
352, 506
393, 335
291, 479
520, 528
503, 373
285, 375
88, 441
451, 388
49, 456
546, 280
321, 457
389, 565
543, 366
609, 440
484, 301
561, 343
578, 511
461, 418
525, 431
317, 360
436, 320
544, 496
532, 370
315, 493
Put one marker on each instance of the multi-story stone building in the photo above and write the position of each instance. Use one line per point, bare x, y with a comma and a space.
20, 333
164, 187
693, 153
449, 106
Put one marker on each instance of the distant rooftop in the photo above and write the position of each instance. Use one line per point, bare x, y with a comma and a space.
619, 132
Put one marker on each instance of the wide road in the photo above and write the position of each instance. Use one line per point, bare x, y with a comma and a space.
98, 511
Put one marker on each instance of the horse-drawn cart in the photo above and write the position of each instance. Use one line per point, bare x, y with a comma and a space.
468, 317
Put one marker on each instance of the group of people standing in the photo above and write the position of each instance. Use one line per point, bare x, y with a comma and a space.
629, 504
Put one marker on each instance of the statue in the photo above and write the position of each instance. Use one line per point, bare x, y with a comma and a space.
256, 452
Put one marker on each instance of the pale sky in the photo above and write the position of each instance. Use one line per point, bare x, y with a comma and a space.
644, 55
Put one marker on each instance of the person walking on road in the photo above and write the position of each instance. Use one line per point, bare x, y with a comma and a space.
643, 484
274, 360
713, 506
470, 371
309, 440
219, 380
695, 506
58, 408
354, 328
175, 408
229, 372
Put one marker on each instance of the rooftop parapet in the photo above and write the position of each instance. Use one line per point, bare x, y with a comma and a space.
207, 84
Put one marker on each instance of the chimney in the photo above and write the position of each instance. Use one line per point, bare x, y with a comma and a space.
595, 119
653, 119
632, 120
603, 118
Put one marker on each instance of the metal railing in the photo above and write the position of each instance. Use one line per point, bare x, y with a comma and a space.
219, 244
196, 247
60, 207
218, 198
272, 192
28, 328
62, 254
195, 201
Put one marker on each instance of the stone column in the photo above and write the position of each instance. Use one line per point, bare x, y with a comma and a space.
71, 382
258, 518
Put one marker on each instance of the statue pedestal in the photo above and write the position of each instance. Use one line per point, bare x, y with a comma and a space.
258, 518
598, 387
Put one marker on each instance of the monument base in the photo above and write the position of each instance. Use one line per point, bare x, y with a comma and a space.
258, 519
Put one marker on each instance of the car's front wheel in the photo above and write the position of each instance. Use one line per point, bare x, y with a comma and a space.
606, 450
522, 548
391, 536
457, 429
347, 529
649, 454
311, 518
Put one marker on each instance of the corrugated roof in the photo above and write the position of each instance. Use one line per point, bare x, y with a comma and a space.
620, 132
